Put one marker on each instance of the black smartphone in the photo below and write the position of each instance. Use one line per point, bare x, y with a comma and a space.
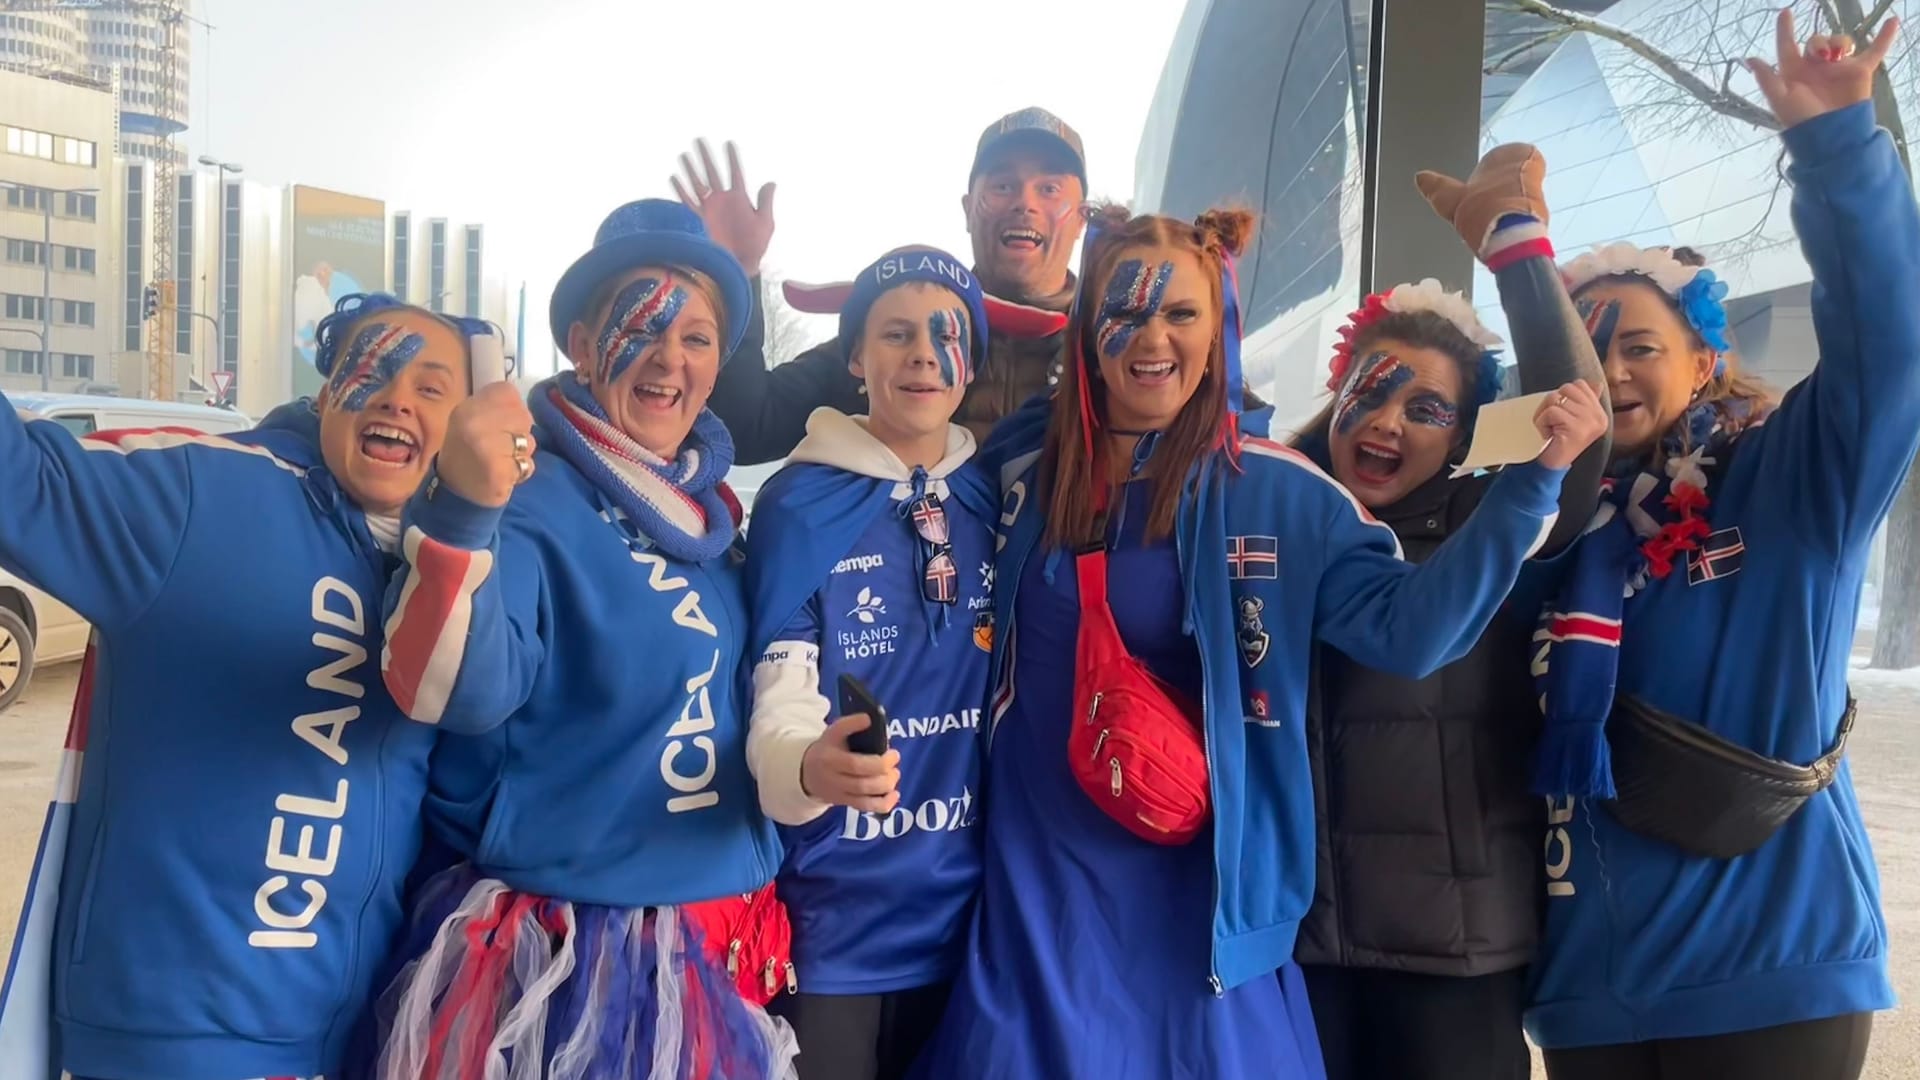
856, 698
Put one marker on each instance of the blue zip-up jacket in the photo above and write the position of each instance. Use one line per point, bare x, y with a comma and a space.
878, 903
1644, 941
1273, 557
248, 795
593, 691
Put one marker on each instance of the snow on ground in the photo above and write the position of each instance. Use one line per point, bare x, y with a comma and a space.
1862, 675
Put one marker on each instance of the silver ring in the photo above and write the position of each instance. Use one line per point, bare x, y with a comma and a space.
525, 467
520, 445
1561, 400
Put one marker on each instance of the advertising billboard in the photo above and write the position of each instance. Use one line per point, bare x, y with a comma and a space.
339, 248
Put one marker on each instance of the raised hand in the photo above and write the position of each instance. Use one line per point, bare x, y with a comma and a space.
1571, 420
733, 220
489, 447
1508, 180
1825, 76
834, 774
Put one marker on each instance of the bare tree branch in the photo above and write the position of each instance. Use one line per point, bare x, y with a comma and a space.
786, 329
1498, 65
1872, 21
1834, 25
1724, 103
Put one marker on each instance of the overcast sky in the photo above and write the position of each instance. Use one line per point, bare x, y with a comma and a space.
536, 118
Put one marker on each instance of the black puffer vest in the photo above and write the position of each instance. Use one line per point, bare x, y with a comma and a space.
1429, 844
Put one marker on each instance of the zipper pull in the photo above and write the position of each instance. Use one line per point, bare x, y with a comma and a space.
771, 980
793, 980
733, 959
1093, 707
1213, 983
1098, 743
1114, 764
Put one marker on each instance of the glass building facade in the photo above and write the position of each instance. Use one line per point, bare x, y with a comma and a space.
1272, 103
1290, 107
1263, 104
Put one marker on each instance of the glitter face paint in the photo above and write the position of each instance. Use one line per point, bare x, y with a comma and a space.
378, 353
639, 316
1433, 411
948, 331
1373, 383
1133, 296
1602, 318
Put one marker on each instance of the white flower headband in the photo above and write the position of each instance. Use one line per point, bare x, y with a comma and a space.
1696, 290
1425, 295
1655, 264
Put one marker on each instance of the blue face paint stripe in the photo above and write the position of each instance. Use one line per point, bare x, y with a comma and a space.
1133, 296
1602, 318
639, 317
1432, 410
1373, 383
378, 353
949, 333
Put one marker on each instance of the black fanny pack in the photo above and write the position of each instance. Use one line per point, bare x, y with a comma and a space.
1678, 782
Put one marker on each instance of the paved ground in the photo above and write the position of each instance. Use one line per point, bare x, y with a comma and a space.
1885, 753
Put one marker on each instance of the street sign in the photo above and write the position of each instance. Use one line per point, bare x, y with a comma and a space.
222, 384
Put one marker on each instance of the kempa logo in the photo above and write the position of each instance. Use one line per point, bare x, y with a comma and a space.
859, 564
934, 815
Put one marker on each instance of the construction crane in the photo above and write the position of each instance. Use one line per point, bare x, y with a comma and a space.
169, 14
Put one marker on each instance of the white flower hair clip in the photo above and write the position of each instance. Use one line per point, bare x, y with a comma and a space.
1425, 295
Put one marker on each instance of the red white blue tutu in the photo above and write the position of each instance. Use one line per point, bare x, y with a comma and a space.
519, 987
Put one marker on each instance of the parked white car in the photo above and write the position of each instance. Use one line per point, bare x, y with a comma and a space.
36, 629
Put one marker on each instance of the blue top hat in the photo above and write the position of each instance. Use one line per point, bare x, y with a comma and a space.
651, 232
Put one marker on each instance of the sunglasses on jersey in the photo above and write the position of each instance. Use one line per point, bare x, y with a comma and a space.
939, 580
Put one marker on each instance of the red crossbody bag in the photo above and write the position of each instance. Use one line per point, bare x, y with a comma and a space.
1135, 744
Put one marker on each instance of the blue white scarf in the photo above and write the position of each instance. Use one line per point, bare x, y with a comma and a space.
1646, 524
676, 504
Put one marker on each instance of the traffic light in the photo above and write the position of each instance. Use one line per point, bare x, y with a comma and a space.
153, 303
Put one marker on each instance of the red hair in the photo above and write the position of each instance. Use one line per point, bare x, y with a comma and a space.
1073, 446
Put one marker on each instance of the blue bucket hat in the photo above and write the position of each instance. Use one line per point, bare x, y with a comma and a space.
651, 232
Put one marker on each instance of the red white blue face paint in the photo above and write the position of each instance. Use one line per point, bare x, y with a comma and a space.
948, 331
1373, 383
378, 353
1133, 296
639, 317
1602, 318
1433, 411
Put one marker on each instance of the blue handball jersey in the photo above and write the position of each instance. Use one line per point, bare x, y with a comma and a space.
880, 903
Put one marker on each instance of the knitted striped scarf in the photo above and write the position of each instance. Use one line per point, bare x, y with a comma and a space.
1647, 523
676, 504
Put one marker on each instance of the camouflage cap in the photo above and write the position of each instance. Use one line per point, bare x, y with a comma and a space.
1029, 126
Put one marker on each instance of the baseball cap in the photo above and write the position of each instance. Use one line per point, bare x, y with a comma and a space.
1029, 126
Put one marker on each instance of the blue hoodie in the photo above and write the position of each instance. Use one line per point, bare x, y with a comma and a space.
1282, 533
248, 795
1644, 941
593, 690
834, 568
